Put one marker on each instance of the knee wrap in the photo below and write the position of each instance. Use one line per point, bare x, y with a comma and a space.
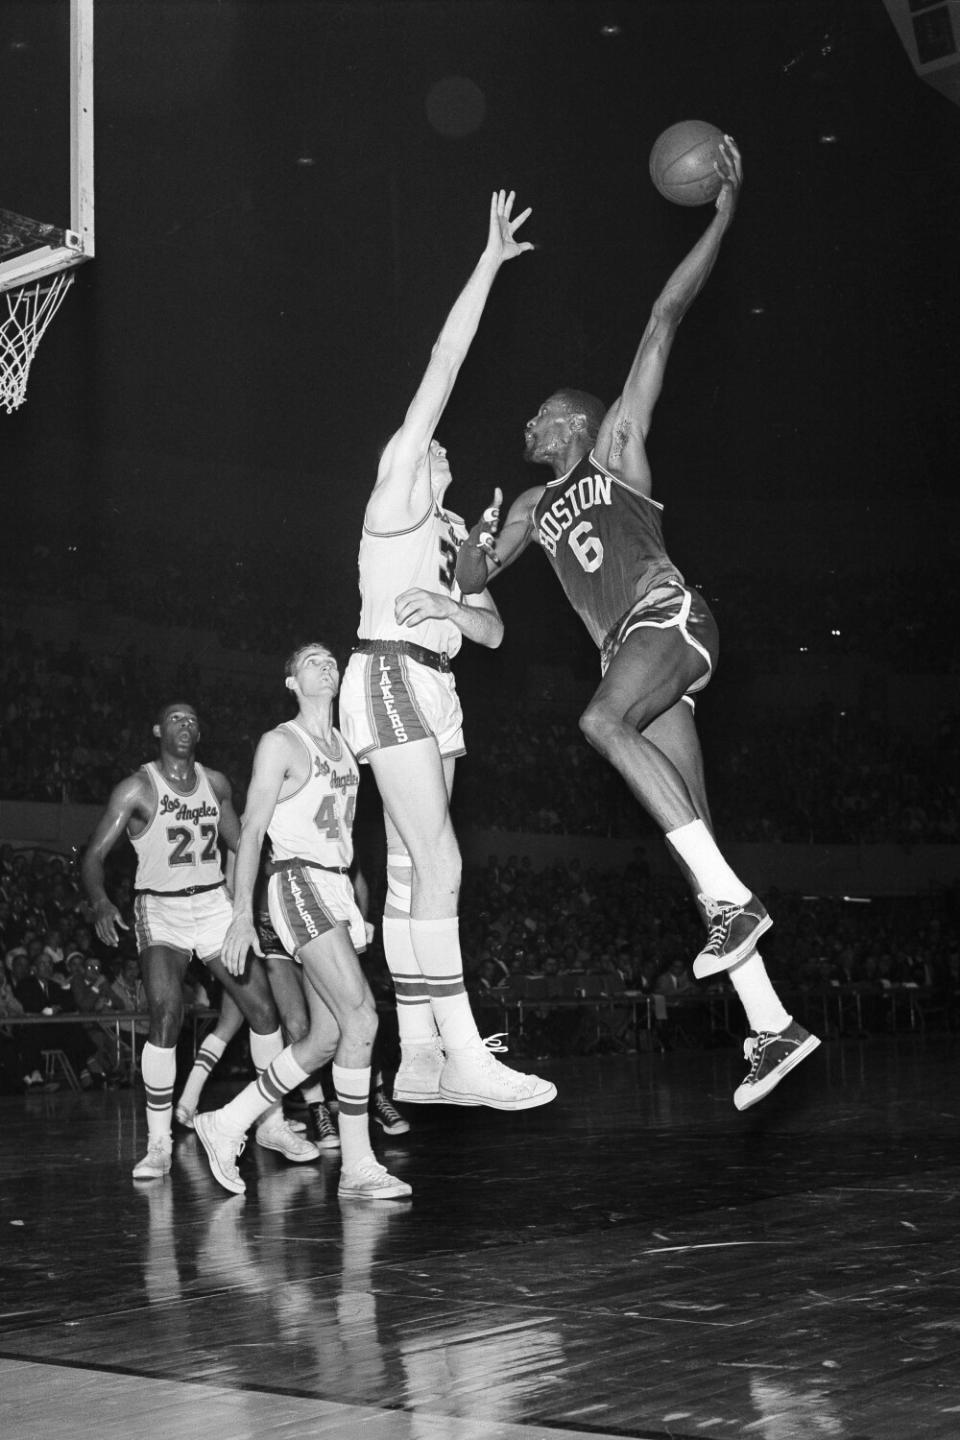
399, 884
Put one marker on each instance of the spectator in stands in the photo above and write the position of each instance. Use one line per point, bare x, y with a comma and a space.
676, 980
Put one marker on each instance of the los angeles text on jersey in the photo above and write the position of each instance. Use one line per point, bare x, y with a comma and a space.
191, 813
580, 495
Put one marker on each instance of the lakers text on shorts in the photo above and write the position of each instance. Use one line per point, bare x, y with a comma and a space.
669, 607
306, 903
183, 922
391, 700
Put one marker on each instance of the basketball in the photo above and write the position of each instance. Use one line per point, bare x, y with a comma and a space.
682, 160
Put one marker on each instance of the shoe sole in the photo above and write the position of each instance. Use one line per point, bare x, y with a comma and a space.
297, 1159
330, 1143
381, 1194
495, 1102
139, 1174
716, 965
236, 1187
420, 1097
763, 1087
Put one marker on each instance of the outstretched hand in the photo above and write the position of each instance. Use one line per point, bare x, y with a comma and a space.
730, 169
501, 244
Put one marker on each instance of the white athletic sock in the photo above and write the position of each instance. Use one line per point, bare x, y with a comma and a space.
207, 1056
437, 944
757, 995
159, 1070
698, 850
263, 1095
263, 1050
313, 1092
353, 1096
414, 1013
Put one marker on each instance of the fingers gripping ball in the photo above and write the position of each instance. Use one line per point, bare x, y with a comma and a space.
472, 569
683, 162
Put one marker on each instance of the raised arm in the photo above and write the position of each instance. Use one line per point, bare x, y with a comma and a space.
270, 767
620, 443
126, 801
402, 491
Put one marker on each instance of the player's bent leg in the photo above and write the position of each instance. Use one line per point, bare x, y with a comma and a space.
283, 977
215, 1042
663, 767
253, 994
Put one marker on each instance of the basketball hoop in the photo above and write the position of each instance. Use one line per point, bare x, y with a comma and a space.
29, 311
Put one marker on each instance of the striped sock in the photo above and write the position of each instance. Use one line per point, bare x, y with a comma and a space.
207, 1056
264, 1094
437, 944
414, 1013
159, 1070
263, 1050
353, 1095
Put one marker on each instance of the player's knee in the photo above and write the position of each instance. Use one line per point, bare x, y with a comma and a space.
262, 1016
440, 866
360, 1025
166, 1022
296, 1027
598, 726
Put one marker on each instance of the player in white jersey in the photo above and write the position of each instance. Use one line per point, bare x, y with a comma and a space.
302, 796
600, 529
176, 814
400, 712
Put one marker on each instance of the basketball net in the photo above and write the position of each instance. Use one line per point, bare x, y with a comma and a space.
29, 311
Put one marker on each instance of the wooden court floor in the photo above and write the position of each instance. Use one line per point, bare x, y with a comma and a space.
637, 1259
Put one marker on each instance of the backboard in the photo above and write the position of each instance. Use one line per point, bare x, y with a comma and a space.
34, 245
38, 250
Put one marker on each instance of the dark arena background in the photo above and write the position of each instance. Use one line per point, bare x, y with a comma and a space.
288, 195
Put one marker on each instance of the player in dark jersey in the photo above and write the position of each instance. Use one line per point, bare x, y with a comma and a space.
600, 528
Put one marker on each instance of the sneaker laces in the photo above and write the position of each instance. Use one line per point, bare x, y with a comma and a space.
369, 1168
753, 1048
496, 1044
322, 1119
386, 1107
719, 916
238, 1143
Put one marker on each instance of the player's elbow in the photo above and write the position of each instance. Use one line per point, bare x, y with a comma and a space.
665, 317
495, 639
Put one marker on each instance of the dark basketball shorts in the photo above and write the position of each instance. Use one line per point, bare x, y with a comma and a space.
389, 700
267, 937
306, 903
667, 607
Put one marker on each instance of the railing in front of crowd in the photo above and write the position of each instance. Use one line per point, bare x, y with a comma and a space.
600, 1015
128, 1028
618, 1018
